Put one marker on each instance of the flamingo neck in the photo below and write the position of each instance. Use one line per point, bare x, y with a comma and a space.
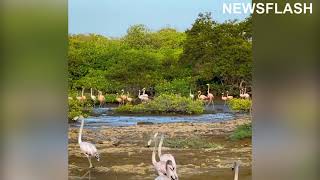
80, 132
139, 92
208, 89
82, 91
236, 173
91, 91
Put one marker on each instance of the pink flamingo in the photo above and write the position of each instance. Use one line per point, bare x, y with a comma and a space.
87, 148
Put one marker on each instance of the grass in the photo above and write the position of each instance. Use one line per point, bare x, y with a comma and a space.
191, 143
242, 132
165, 104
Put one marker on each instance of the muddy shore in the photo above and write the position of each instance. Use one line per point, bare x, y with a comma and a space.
125, 155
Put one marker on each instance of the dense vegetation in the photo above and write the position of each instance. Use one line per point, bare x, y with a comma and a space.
165, 104
242, 132
164, 61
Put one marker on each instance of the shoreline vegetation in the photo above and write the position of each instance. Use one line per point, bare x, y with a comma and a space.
162, 62
165, 104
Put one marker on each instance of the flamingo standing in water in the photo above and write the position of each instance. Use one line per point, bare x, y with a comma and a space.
101, 99
224, 98
229, 97
210, 96
201, 96
87, 148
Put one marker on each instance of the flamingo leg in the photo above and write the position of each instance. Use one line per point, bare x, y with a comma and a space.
89, 159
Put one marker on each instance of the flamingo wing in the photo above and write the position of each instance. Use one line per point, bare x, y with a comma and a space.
88, 148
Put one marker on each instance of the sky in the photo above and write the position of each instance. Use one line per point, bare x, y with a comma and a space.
112, 18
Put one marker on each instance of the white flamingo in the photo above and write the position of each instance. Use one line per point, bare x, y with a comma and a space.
191, 95
93, 97
87, 148
162, 166
167, 157
235, 168
245, 94
169, 172
143, 98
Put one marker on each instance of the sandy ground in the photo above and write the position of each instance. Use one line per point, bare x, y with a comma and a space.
125, 155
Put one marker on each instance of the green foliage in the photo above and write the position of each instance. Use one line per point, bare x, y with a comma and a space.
76, 108
165, 104
169, 61
110, 98
177, 86
237, 104
190, 143
242, 132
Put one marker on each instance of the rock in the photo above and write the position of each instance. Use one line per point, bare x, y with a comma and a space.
145, 123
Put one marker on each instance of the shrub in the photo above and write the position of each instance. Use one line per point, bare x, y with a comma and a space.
76, 108
110, 98
242, 132
237, 104
177, 86
165, 103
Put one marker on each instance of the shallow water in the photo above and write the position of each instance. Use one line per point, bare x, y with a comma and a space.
132, 120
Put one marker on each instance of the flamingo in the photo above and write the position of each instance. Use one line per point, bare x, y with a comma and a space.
201, 96
241, 93
87, 148
162, 166
167, 157
143, 98
144, 93
245, 94
122, 96
229, 97
93, 97
210, 96
82, 97
235, 168
129, 99
224, 98
101, 99
191, 95
169, 172
118, 99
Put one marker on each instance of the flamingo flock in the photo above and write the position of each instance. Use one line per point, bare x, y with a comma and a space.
125, 98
